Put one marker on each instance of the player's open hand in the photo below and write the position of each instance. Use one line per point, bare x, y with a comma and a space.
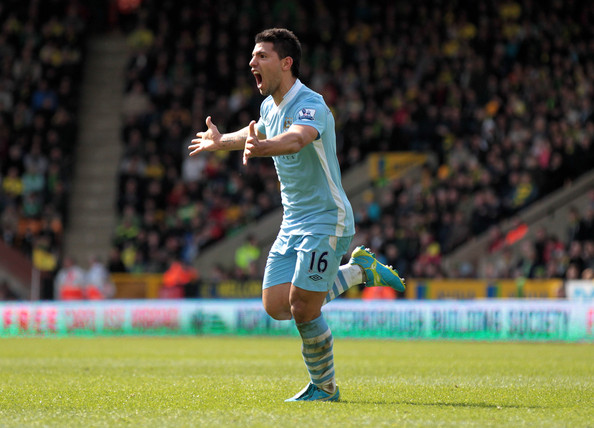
251, 143
207, 141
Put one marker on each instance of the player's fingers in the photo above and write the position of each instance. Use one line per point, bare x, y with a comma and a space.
247, 150
194, 148
208, 122
252, 129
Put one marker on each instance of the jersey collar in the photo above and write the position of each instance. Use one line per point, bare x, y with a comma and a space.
291, 94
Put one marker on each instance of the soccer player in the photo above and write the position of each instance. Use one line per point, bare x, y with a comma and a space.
303, 270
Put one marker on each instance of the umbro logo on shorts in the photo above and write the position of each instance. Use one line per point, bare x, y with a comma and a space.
315, 277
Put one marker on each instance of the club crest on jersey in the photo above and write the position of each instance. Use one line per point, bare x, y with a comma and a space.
288, 122
307, 114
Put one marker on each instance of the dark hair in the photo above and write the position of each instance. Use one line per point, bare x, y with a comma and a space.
285, 44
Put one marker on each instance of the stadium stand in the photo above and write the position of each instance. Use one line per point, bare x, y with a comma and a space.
41, 52
498, 93
495, 90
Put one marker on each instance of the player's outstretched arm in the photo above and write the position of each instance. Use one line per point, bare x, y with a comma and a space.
289, 142
212, 140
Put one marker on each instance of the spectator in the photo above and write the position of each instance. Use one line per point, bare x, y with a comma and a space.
378, 293
136, 103
247, 254
115, 264
97, 283
46, 262
70, 281
180, 280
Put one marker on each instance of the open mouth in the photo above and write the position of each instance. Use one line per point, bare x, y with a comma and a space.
258, 77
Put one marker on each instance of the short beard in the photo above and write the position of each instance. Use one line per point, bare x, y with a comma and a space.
270, 91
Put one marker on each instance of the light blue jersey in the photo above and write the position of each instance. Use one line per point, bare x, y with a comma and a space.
313, 199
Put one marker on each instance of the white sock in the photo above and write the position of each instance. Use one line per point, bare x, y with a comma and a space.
348, 276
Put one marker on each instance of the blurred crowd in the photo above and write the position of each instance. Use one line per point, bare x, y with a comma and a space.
500, 92
547, 255
41, 52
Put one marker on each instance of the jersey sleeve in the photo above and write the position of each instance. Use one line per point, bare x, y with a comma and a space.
312, 113
260, 127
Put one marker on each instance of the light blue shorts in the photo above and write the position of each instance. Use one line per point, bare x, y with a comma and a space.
309, 262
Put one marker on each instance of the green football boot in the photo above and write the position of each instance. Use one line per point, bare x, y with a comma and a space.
378, 274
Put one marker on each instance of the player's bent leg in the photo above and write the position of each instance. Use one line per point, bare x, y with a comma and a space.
276, 301
377, 273
348, 276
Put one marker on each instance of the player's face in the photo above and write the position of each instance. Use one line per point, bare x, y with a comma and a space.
266, 67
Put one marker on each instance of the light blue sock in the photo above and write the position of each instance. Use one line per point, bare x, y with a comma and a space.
317, 352
348, 275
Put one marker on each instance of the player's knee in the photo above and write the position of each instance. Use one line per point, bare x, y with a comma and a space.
298, 312
303, 312
278, 313
280, 316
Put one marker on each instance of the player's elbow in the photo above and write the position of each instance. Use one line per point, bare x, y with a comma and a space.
294, 148
298, 143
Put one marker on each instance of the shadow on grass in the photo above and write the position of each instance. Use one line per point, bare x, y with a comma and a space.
443, 404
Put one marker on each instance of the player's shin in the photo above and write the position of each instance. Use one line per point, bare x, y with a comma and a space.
317, 350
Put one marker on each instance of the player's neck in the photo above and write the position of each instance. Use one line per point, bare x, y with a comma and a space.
283, 88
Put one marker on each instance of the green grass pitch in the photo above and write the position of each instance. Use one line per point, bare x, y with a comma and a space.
233, 381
